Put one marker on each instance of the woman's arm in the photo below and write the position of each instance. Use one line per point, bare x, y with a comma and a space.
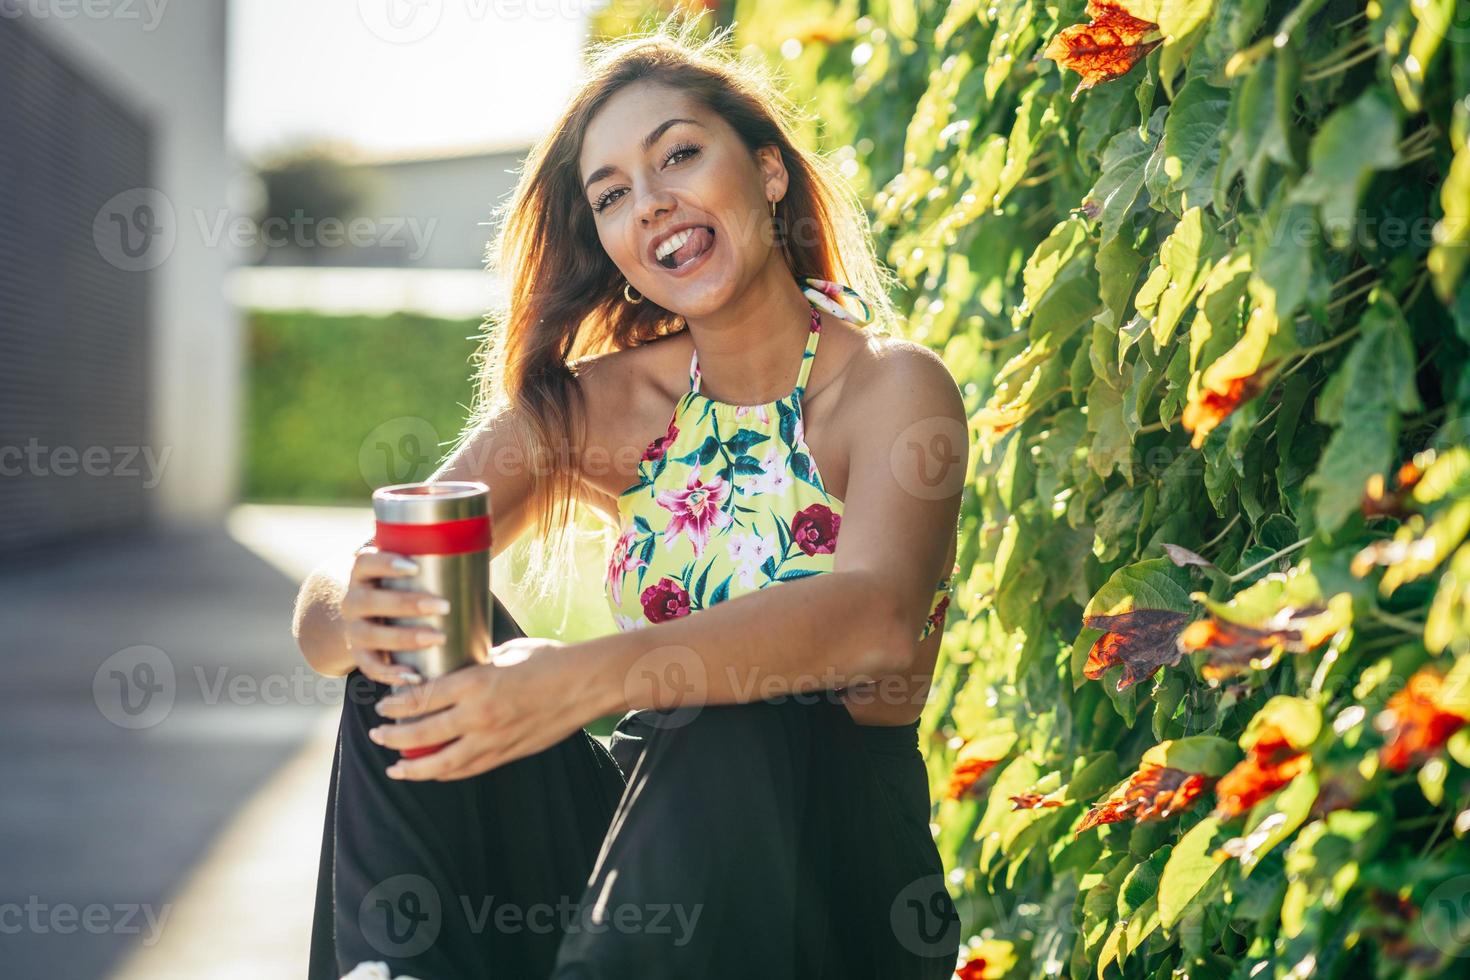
492, 454
860, 622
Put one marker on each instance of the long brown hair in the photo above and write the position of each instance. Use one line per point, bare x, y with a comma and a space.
564, 300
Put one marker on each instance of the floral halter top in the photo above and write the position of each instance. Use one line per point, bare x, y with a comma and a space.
729, 500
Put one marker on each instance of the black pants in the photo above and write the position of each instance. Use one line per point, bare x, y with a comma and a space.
776, 840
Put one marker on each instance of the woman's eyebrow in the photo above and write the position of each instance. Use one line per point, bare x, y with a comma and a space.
607, 170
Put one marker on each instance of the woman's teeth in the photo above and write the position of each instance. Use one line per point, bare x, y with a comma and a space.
685, 246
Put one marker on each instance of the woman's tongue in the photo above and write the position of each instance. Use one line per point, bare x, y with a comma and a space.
699, 240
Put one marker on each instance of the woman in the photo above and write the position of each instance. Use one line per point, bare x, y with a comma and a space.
674, 262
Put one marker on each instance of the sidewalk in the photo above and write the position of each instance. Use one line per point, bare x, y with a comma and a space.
158, 707
168, 751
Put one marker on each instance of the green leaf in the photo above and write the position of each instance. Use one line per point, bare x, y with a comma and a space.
1191, 868
1256, 132
1365, 397
1116, 190
1207, 754
1356, 140
1451, 251
1118, 264
1185, 261
1298, 719
1275, 819
1192, 141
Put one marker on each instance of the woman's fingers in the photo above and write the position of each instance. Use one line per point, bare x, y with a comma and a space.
362, 600
378, 665
434, 729
366, 605
372, 563
449, 762
366, 634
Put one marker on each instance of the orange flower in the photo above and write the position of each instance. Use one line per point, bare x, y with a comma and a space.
1209, 408
1416, 724
1153, 793
1142, 640
1269, 764
1104, 49
969, 766
1378, 500
1032, 801
1233, 646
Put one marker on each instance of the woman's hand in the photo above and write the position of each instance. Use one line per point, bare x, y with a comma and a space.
532, 694
369, 639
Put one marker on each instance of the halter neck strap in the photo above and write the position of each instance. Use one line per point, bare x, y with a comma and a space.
804, 370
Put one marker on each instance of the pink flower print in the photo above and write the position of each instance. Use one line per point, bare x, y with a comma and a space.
936, 618
664, 600
773, 477
761, 412
659, 446
623, 561
798, 439
626, 623
748, 551
814, 529
697, 510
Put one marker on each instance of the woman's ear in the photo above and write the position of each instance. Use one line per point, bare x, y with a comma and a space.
773, 171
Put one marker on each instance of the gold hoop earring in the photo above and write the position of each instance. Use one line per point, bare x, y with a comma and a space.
627, 286
773, 207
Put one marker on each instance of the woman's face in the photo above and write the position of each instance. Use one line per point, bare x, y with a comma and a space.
657, 170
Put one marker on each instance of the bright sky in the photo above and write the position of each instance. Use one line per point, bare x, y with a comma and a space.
394, 75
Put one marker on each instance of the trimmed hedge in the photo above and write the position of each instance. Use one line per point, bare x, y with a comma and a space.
326, 394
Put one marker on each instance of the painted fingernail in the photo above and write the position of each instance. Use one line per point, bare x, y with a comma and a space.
395, 771
405, 565
376, 735
410, 677
433, 605
379, 707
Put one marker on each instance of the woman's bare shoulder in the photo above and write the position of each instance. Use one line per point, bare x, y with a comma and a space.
888, 374
617, 381
627, 394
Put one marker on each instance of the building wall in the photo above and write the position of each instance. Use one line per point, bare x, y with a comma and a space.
427, 213
74, 318
165, 62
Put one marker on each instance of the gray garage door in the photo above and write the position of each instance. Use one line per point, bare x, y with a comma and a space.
74, 317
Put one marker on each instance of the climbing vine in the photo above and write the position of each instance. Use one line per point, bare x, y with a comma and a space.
1200, 269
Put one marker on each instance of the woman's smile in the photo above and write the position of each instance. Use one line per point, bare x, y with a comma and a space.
684, 251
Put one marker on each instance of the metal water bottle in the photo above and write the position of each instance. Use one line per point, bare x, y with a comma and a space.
445, 528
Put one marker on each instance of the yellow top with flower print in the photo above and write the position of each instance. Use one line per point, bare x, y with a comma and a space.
729, 500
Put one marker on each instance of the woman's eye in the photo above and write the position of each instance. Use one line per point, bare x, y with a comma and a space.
677, 152
604, 200
690, 149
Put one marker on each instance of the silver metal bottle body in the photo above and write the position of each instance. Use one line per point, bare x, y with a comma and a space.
463, 579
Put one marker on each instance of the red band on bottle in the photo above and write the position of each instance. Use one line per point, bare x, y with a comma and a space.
421, 751
443, 538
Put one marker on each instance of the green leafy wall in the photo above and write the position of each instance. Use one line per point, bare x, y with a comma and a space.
1202, 705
